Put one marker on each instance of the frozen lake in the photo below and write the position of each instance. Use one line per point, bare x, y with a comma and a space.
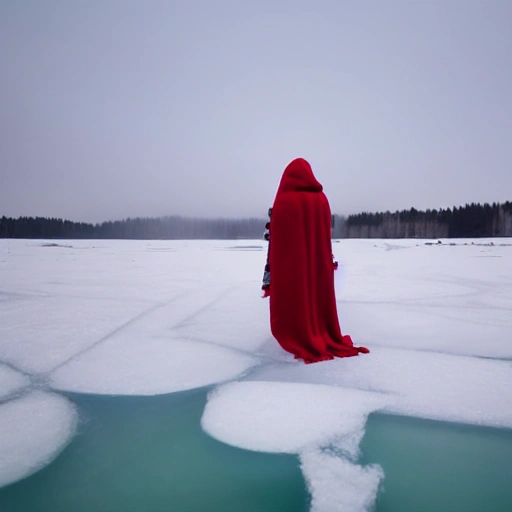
142, 375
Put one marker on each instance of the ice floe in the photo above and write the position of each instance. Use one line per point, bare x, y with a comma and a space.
33, 429
286, 417
127, 365
431, 385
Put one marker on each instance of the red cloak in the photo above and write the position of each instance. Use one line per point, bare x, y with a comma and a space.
303, 314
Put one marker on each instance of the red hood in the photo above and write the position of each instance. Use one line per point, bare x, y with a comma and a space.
298, 175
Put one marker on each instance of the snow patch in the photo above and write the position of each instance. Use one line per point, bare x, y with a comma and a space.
285, 417
338, 485
11, 381
424, 384
128, 365
33, 430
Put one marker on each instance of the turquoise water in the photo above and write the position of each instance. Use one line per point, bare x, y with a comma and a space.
149, 454
435, 466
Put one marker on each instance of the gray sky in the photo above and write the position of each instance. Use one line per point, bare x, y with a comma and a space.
113, 109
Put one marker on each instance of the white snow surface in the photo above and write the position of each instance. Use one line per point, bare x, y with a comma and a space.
11, 381
336, 485
163, 366
33, 429
287, 417
429, 385
150, 317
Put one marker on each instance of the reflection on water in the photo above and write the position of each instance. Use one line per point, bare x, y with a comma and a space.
149, 454
439, 467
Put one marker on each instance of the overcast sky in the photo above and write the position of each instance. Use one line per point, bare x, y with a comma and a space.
121, 108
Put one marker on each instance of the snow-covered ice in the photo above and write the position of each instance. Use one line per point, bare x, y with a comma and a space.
336, 484
163, 366
167, 358
33, 429
305, 419
11, 381
286, 417
33, 328
152, 317
423, 384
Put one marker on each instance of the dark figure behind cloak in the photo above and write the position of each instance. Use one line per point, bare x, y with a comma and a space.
303, 314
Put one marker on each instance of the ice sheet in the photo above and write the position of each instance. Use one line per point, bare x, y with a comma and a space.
454, 299
156, 352
39, 334
127, 365
33, 429
286, 417
450, 328
238, 319
146, 317
64, 299
11, 381
431, 385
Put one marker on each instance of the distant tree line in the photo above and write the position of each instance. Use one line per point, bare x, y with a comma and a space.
469, 221
163, 228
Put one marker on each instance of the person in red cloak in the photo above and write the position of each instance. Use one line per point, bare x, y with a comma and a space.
303, 314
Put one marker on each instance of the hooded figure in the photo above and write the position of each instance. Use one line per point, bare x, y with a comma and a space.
303, 314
